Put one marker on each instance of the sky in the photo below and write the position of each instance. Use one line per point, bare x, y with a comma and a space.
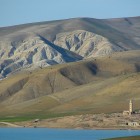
14, 12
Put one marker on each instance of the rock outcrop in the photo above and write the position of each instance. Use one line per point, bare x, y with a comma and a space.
32, 53
86, 44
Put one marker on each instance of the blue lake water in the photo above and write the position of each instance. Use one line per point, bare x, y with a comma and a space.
61, 134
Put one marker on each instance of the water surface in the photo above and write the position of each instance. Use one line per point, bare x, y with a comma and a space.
61, 134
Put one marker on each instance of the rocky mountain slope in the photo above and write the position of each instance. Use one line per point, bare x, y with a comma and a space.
38, 45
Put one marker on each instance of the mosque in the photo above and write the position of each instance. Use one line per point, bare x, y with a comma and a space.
130, 111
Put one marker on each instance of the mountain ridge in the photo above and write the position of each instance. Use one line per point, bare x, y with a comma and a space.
26, 45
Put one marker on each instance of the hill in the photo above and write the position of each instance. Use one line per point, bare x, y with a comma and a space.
95, 85
37, 45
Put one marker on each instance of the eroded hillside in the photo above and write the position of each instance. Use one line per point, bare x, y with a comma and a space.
35, 45
96, 85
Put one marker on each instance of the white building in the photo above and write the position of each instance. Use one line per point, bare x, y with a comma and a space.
130, 111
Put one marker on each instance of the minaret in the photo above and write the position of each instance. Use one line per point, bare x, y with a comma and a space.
130, 107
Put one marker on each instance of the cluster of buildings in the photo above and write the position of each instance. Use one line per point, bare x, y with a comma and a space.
131, 112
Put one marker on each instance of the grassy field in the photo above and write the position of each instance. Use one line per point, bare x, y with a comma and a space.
126, 138
29, 117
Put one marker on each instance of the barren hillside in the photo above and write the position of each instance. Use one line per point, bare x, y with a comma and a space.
35, 45
94, 85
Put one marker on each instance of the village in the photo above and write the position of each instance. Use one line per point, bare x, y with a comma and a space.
128, 119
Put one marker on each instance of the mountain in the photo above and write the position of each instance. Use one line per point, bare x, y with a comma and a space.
37, 45
95, 85
103, 74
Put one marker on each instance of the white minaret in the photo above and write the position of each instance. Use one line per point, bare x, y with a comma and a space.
130, 107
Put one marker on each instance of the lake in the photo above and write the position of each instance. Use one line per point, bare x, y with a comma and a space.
61, 134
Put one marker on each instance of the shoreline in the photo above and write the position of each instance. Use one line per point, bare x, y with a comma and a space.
114, 121
14, 125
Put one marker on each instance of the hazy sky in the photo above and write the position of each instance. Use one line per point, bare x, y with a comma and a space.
14, 12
